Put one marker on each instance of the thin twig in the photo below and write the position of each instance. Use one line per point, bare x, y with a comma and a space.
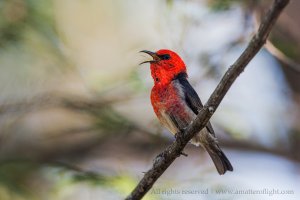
165, 159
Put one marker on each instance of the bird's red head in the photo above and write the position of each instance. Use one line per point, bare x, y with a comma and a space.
165, 66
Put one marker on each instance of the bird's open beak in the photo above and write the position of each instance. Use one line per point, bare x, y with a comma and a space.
155, 57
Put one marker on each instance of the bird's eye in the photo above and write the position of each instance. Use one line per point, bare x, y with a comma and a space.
165, 57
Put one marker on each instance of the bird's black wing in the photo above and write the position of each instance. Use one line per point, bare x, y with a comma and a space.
192, 99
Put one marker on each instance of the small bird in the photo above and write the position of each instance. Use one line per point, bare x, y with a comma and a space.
176, 104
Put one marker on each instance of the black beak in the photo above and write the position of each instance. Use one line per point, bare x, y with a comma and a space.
155, 57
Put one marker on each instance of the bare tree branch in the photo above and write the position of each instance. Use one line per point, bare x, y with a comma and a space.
165, 159
54, 100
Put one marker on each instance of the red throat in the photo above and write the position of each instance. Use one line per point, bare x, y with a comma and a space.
164, 71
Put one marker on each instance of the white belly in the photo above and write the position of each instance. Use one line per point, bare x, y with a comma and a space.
169, 124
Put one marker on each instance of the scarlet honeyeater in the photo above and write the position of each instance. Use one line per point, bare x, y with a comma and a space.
176, 103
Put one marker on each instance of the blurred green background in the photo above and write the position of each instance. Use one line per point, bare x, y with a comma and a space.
75, 115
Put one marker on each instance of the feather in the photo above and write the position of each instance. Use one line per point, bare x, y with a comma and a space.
191, 97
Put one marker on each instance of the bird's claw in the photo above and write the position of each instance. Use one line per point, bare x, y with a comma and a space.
179, 134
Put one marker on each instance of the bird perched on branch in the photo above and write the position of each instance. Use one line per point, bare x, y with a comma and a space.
176, 103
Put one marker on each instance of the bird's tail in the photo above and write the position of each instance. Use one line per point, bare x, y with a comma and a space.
219, 158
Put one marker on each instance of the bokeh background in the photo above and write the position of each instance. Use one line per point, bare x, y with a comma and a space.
75, 115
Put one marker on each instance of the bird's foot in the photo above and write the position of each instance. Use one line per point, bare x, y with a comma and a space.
179, 137
179, 134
